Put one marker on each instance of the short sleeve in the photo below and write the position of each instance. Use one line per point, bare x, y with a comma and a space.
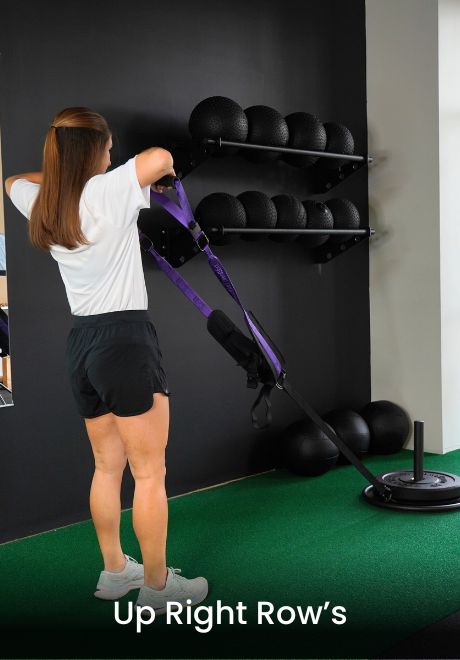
23, 194
118, 195
2, 253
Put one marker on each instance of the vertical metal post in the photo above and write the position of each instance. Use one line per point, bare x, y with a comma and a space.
418, 450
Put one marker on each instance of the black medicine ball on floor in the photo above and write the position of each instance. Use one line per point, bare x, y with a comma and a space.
218, 116
389, 426
260, 213
306, 450
266, 126
339, 141
352, 429
346, 216
318, 217
291, 215
217, 209
305, 132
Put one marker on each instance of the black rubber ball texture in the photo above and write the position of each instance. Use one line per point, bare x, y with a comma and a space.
340, 141
346, 216
389, 426
266, 126
218, 116
318, 217
307, 450
220, 209
260, 212
291, 215
305, 132
352, 429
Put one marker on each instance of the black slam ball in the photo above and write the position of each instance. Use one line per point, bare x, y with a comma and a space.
220, 209
346, 216
339, 141
307, 450
267, 127
260, 213
305, 132
318, 217
291, 215
218, 116
389, 426
352, 429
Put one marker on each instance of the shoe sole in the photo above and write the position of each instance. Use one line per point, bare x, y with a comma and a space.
123, 589
183, 601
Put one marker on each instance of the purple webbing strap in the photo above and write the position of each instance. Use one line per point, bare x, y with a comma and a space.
184, 215
177, 279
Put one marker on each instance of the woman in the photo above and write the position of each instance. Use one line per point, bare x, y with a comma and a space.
87, 219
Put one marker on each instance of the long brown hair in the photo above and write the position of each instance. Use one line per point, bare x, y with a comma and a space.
74, 147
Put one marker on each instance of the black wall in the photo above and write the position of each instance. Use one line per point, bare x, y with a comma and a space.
144, 66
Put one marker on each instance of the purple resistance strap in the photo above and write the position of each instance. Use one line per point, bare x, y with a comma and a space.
183, 213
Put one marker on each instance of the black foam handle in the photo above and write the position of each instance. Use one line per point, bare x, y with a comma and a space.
167, 180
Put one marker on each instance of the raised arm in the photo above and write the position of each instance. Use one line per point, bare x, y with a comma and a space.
34, 177
153, 164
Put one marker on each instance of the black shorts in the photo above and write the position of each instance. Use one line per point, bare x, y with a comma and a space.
114, 363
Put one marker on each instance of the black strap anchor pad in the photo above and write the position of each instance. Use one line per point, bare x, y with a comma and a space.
243, 349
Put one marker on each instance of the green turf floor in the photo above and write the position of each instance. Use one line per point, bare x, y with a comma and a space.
276, 537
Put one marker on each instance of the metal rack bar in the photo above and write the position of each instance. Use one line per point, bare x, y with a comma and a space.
367, 231
289, 150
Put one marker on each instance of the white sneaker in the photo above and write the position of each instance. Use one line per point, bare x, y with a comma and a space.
178, 589
111, 586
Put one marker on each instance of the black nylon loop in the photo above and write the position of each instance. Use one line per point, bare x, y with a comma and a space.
264, 393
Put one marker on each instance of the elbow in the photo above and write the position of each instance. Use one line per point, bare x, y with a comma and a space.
168, 160
8, 183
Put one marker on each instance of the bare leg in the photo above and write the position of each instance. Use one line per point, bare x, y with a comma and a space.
145, 438
110, 461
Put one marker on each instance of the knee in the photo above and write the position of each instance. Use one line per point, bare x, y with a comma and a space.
142, 472
114, 467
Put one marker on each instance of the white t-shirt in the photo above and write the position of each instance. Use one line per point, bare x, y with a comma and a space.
106, 276
2, 252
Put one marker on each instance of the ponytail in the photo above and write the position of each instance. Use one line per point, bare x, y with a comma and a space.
72, 153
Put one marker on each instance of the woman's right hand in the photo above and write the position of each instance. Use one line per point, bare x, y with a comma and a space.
161, 188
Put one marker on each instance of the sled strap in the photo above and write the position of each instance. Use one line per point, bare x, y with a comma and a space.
382, 489
273, 357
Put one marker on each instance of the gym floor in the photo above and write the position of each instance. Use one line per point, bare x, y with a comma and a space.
273, 537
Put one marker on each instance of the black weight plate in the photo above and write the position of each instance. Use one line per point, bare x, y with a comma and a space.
443, 505
434, 486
